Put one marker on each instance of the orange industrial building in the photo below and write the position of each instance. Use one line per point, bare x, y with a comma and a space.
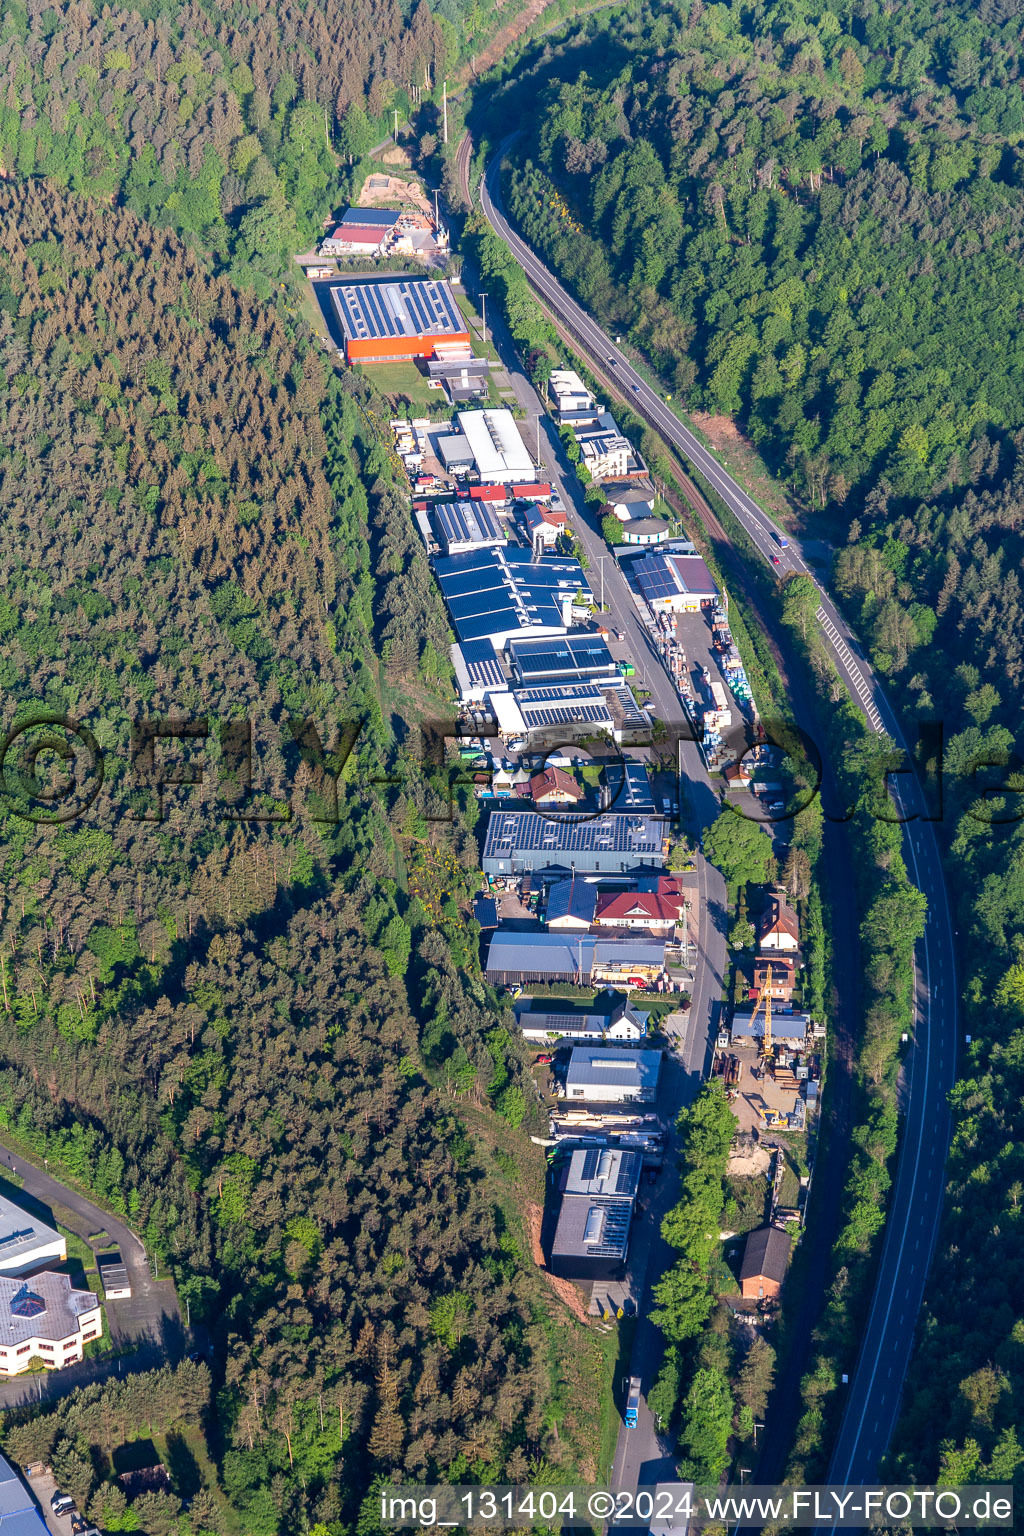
400, 318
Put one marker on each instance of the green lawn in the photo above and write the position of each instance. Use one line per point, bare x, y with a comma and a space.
480, 348
402, 380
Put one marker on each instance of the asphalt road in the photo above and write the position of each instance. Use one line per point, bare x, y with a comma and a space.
916, 1206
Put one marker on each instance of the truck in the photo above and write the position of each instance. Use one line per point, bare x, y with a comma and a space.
718, 694
781, 541
633, 1402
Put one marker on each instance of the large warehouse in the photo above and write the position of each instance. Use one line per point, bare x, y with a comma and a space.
489, 443
581, 959
521, 841
406, 317
494, 594
675, 583
26, 1243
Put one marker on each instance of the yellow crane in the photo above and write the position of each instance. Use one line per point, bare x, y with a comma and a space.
765, 996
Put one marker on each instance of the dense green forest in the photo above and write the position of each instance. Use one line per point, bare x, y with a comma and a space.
811, 221
255, 1028
236, 124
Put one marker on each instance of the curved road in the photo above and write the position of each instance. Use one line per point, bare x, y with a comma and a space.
916, 1203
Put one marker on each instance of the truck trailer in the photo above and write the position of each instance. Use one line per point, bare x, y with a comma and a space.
633, 1403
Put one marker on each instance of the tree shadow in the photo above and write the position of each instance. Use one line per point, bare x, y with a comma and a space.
186, 1478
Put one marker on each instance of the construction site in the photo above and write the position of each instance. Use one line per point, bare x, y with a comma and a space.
770, 1065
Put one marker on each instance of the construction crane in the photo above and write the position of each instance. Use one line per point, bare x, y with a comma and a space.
765, 997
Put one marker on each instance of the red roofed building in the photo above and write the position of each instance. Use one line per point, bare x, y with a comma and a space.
783, 977
496, 494
638, 909
552, 786
777, 927
537, 492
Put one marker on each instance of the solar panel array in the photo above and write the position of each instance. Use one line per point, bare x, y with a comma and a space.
374, 310
574, 656
562, 706
491, 591
525, 830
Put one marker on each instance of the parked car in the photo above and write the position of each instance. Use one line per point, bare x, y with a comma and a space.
61, 1503
545, 1060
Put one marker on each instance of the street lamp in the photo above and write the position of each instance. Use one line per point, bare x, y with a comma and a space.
483, 312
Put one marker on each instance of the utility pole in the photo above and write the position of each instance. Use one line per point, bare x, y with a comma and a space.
437, 216
483, 311
538, 442
444, 108
396, 124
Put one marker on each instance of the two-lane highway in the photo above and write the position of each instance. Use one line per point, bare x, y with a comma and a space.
916, 1204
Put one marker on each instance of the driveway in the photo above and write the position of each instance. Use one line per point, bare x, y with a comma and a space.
147, 1325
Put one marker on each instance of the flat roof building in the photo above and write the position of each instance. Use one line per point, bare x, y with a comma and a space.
497, 594
606, 454
26, 1243
517, 958
499, 453
570, 658
645, 530
600, 1076
44, 1318
571, 395
462, 525
599, 1191
674, 583
383, 319
522, 841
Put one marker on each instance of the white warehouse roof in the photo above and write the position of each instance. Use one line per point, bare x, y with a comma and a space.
496, 445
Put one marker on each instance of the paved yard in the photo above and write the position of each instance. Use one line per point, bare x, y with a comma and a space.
147, 1326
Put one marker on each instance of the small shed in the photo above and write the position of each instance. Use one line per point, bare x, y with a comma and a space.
764, 1263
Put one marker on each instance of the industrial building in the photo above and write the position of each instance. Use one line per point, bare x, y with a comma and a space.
26, 1243
599, 1190
514, 959
674, 583
46, 1320
580, 710
488, 442
599, 1076
461, 526
383, 319
19, 1512
764, 1263
788, 1029
521, 841
572, 658
462, 376
498, 594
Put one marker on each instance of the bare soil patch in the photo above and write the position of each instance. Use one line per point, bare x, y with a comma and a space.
563, 1289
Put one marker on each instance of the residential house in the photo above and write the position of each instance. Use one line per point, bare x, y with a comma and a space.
777, 927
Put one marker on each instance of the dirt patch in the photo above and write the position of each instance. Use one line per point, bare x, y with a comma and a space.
396, 156
743, 1166
503, 39
381, 190
726, 438
563, 1289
